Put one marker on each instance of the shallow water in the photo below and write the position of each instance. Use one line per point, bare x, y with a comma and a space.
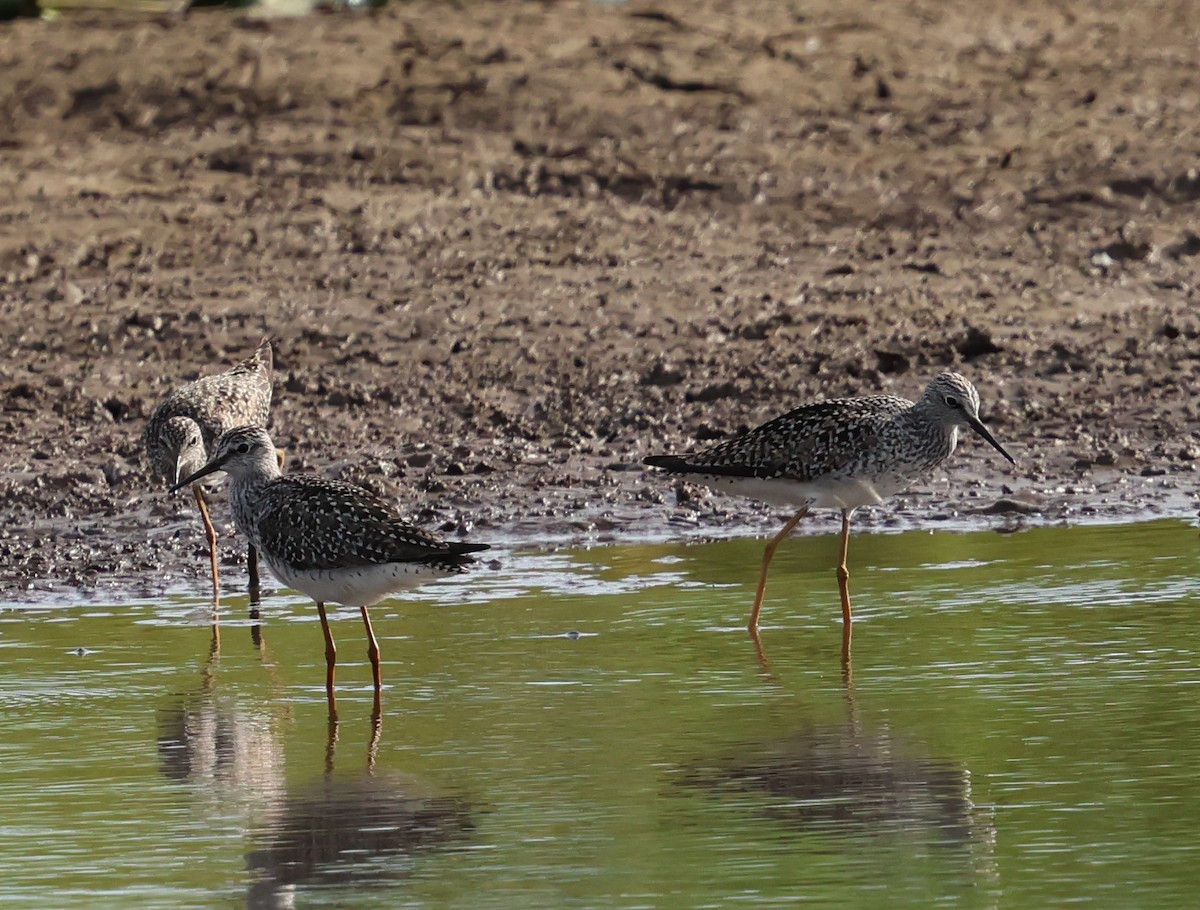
1018, 727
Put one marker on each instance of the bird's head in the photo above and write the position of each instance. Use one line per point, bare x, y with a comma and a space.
237, 452
184, 439
952, 401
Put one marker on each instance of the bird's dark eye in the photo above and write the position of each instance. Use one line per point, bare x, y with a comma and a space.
951, 401
243, 448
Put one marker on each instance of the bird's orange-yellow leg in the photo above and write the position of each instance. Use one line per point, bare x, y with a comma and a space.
211, 533
766, 564
761, 653
372, 651
279, 455
843, 575
330, 660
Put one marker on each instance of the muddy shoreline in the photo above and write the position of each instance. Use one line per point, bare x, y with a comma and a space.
507, 249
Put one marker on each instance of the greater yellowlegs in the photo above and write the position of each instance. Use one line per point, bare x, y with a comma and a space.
841, 453
184, 428
333, 541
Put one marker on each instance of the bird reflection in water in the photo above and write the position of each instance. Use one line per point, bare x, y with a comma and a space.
206, 738
845, 779
852, 783
361, 828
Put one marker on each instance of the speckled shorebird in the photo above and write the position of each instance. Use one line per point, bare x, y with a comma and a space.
841, 453
333, 541
184, 428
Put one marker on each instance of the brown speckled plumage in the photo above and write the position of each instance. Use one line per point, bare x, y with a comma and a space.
334, 541
877, 437
183, 428
840, 453
305, 522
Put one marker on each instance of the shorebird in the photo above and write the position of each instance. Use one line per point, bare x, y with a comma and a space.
334, 541
840, 453
184, 428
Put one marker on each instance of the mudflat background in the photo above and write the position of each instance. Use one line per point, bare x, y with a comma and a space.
506, 249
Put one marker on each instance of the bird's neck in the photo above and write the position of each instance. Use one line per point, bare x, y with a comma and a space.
940, 437
245, 494
247, 483
263, 472
952, 444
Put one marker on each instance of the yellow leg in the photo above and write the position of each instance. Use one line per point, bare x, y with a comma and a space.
766, 563
330, 661
373, 654
279, 455
761, 653
843, 575
211, 533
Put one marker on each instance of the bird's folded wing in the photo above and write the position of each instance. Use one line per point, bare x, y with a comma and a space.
314, 523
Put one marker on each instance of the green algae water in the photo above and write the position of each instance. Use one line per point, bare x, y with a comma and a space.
1018, 726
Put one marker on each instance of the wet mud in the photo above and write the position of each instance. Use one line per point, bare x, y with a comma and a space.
508, 249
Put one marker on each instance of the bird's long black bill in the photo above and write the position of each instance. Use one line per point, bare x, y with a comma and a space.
211, 468
979, 428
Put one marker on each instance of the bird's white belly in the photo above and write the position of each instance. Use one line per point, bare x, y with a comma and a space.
356, 586
825, 493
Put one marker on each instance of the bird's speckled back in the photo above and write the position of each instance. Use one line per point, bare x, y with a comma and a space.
884, 437
241, 395
808, 442
305, 522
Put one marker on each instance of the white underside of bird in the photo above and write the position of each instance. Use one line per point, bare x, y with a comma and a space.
823, 493
357, 586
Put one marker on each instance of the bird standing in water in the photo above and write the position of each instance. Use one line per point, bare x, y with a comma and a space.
840, 453
334, 541
184, 428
